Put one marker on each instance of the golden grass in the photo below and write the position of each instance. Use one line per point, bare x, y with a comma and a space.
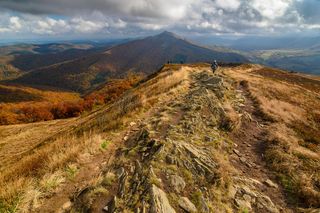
293, 139
39, 157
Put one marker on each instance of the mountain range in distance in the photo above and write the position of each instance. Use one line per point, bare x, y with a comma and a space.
82, 66
142, 56
297, 54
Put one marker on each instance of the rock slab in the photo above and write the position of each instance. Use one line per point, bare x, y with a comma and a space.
159, 201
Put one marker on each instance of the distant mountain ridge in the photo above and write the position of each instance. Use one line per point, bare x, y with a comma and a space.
143, 55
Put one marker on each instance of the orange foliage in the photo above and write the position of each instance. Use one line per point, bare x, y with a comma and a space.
33, 111
112, 89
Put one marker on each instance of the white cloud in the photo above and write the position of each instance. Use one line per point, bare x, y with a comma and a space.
271, 9
15, 24
230, 5
50, 26
87, 26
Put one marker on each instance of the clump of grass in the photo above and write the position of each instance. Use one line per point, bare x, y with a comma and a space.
71, 171
172, 168
243, 210
51, 181
156, 181
187, 175
104, 145
99, 190
109, 180
196, 197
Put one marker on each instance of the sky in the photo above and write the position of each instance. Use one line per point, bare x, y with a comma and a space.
96, 19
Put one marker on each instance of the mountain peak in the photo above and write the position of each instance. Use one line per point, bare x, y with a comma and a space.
168, 34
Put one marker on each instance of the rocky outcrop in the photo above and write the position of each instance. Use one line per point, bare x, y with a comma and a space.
187, 205
159, 201
201, 163
247, 196
177, 183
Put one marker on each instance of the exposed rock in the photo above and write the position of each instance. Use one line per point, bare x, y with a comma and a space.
237, 152
247, 197
202, 163
120, 172
132, 124
248, 191
269, 183
187, 205
177, 183
203, 205
243, 159
248, 164
159, 201
122, 183
265, 202
111, 206
170, 159
232, 192
67, 205
241, 203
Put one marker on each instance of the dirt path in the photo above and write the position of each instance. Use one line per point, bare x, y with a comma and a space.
248, 156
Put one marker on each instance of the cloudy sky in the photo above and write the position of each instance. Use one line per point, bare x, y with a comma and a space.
123, 18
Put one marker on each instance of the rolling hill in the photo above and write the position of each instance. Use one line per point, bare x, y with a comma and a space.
244, 139
15, 60
297, 60
144, 55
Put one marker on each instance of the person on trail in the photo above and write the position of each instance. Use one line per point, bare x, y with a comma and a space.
214, 66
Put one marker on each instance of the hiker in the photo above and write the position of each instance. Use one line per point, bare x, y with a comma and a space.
214, 66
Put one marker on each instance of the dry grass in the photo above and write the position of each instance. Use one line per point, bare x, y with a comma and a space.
292, 102
39, 157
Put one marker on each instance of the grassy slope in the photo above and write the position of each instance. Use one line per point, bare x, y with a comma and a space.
291, 103
29, 174
28, 164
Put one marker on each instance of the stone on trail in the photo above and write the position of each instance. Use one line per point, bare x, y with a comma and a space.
187, 205
237, 152
269, 183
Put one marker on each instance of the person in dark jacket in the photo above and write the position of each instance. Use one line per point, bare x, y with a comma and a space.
214, 66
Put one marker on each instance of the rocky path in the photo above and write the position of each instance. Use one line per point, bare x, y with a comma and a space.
180, 158
248, 154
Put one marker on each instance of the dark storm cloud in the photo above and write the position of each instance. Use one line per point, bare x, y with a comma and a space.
140, 8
